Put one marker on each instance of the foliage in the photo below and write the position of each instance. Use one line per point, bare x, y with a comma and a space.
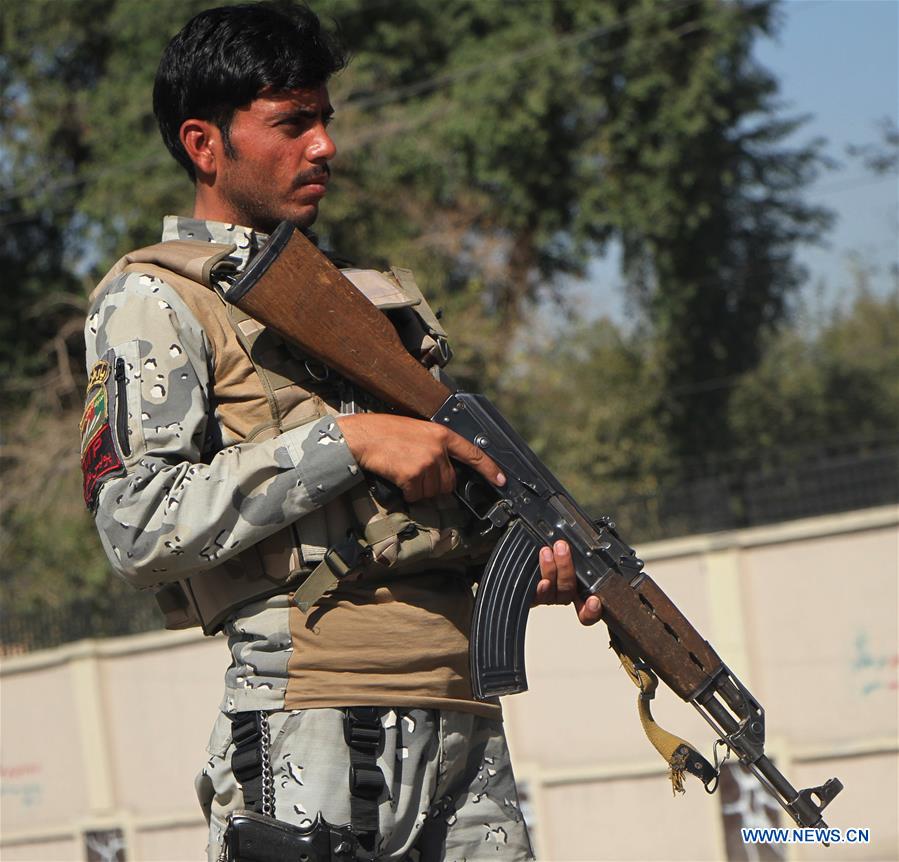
585, 401
820, 396
839, 387
48, 548
493, 147
706, 199
644, 122
82, 174
881, 157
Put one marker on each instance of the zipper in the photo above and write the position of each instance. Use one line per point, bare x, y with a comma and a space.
121, 406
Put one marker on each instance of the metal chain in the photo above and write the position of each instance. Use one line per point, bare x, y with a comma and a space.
268, 779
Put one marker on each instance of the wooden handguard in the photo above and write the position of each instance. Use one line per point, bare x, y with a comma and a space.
292, 288
654, 628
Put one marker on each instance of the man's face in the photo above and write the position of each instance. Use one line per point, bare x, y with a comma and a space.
280, 170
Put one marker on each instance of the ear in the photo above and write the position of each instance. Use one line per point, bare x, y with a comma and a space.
202, 141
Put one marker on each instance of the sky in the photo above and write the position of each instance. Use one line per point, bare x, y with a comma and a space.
837, 60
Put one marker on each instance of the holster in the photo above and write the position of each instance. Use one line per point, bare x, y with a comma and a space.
251, 837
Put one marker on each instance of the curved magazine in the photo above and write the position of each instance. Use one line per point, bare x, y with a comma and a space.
501, 612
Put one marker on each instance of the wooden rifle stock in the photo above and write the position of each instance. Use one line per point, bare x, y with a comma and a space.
292, 288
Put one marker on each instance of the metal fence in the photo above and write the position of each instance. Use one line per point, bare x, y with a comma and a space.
753, 495
743, 497
44, 627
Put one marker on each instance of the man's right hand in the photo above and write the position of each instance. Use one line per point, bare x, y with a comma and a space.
412, 453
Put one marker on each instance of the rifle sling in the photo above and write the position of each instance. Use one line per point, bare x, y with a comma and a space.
680, 756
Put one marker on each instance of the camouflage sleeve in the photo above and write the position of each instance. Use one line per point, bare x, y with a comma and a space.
159, 504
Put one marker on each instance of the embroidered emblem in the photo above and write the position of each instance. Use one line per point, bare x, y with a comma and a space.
96, 412
99, 374
99, 456
99, 460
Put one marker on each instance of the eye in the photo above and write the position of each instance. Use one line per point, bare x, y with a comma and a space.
298, 118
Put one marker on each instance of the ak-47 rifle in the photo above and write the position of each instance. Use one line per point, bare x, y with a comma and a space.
295, 290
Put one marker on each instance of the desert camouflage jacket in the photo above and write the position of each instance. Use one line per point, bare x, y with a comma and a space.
173, 492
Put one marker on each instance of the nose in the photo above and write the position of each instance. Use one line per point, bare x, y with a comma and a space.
322, 147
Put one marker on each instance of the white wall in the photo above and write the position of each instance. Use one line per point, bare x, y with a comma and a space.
109, 734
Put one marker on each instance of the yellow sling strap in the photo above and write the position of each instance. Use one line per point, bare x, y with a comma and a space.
680, 756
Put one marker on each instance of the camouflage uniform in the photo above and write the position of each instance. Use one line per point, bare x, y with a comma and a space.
450, 792
176, 492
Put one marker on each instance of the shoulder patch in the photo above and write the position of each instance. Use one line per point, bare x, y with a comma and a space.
99, 456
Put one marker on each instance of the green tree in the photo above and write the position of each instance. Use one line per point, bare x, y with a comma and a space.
837, 387
83, 176
706, 198
544, 130
601, 439
495, 147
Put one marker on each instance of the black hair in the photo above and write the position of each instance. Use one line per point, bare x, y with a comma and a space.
224, 57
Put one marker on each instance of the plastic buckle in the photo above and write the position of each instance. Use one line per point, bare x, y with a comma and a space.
342, 557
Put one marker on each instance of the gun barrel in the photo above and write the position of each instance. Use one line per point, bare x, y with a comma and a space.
746, 739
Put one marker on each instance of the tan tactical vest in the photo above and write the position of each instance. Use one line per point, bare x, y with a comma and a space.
264, 386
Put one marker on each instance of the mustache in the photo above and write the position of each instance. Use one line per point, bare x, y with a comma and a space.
313, 174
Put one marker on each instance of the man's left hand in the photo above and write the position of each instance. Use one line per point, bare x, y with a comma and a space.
558, 584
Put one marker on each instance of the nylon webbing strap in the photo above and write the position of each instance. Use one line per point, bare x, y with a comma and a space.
364, 736
339, 561
246, 761
680, 756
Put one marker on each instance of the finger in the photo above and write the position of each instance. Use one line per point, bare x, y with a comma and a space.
566, 579
431, 483
460, 448
589, 612
412, 490
447, 477
546, 588
542, 593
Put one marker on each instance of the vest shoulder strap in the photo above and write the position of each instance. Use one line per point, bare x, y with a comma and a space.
410, 288
192, 259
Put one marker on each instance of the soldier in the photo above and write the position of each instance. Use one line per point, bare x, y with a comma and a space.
230, 475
